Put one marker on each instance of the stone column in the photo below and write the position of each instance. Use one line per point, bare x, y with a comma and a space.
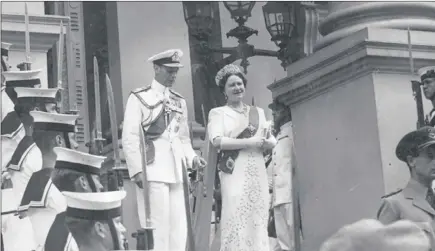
351, 102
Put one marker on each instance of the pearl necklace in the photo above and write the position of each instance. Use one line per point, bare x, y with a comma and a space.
244, 110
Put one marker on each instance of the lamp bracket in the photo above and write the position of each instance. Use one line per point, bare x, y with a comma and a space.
242, 33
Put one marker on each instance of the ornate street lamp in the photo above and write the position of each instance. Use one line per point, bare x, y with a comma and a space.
240, 11
280, 22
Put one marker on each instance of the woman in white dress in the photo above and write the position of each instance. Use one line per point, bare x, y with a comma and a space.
242, 134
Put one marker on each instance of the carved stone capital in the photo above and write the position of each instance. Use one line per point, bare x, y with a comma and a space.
345, 18
312, 15
44, 31
367, 51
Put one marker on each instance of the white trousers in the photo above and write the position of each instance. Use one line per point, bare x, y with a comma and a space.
284, 226
168, 215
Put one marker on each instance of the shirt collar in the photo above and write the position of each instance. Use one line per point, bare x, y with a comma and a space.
155, 85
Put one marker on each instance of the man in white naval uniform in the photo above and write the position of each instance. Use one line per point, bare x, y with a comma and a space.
21, 160
281, 177
94, 220
162, 114
74, 171
42, 201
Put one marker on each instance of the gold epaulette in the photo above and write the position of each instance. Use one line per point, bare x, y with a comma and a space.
392, 193
142, 89
176, 93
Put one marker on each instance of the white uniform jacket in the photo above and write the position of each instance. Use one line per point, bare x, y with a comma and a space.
281, 166
171, 147
12, 129
42, 205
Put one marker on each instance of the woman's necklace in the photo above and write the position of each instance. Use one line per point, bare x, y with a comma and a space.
243, 110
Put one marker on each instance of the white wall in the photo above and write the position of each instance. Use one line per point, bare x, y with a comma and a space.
262, 71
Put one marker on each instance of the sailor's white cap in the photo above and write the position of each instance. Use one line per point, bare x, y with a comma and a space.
53, 121
26, 92
22, 78
77, 161
5, 48
169, 58
426, 72
94, 206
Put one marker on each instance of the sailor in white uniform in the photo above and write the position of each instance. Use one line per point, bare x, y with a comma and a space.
162, 114
74, 171
42, 201
20, 157
94, 220
12, 130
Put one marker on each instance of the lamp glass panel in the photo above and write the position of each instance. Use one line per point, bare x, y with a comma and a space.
239, 8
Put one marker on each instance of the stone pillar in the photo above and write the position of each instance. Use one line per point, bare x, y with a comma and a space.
346, 18
351, 102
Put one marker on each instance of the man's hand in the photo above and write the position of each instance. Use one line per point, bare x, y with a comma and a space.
269, 144
199, 163
138, 180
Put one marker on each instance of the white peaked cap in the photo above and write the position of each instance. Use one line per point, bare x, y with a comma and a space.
46, 117
6, 46
78, 161
94, 201
54, 121
26, 92
424, 70
22, 75
170, 58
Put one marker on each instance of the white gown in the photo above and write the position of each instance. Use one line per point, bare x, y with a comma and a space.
245, 192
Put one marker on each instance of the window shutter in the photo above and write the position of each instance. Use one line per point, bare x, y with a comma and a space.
77, 82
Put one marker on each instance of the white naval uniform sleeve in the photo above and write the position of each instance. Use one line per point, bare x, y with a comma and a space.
131, 135
185, 135
33, 161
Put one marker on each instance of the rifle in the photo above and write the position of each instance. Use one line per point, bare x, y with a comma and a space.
416, 87
60, 60
416, 91
98, 140
25, 66
115, 178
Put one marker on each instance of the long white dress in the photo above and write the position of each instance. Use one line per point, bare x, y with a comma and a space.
245, 195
